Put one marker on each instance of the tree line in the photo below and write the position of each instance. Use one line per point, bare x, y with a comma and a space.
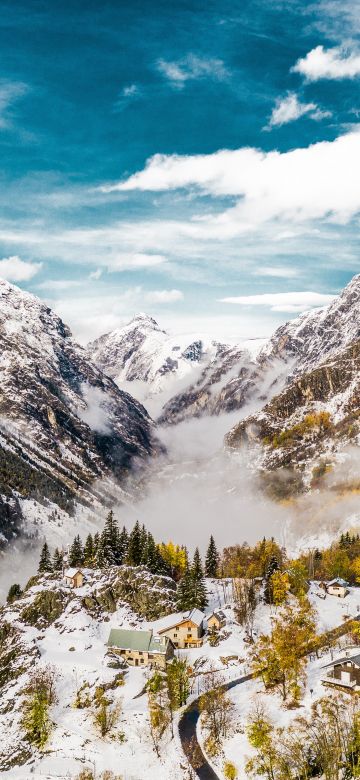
117, 547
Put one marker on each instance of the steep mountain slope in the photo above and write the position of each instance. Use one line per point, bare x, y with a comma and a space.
295, 347
64, 426
232, 379
147, 360
309, 339
310, 424
178, 377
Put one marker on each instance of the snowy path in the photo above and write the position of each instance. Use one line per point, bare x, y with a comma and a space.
188, 736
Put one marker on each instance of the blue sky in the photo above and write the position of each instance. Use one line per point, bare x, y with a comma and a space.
196, 160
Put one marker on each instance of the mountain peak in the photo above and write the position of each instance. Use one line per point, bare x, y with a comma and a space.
144, 319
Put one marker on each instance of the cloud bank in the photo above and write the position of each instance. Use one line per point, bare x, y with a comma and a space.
336, 63
286, 302
326, 187
16, 270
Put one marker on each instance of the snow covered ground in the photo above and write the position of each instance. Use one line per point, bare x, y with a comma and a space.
76, 646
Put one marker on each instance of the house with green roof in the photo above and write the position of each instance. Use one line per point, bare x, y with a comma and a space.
141, 648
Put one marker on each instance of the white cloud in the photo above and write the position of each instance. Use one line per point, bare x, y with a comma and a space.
124, 261
289, 109
16, 270
283, 272
164, 296
264, 182
336, 63
59, 284
9, 93
192, 67
130, 91
94, 414
282, 302
95, 275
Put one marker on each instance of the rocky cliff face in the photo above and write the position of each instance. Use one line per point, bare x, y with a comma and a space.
307, 340
315, 417
64, 425
144, 358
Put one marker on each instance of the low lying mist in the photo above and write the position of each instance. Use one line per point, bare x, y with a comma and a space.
199, 489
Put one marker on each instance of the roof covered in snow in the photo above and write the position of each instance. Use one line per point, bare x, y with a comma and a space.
72, 572
176, 618
355, 659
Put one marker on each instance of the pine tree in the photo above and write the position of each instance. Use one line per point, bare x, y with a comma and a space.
143, 538
45, 563
134, 553
191, 592
152, 558
123, 543
197, 572
89, 552
184, 592
76, 553
57, 560
14, 593
96, 541
110, 540
100, 557
212, 559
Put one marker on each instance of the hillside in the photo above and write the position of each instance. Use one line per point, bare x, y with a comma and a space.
53, 628
67, 433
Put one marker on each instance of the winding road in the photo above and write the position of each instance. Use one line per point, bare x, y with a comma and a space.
188, 736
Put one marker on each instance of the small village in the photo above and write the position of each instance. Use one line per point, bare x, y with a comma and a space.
135, 637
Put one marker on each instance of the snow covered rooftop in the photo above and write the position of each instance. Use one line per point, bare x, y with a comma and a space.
195, 615
72, 572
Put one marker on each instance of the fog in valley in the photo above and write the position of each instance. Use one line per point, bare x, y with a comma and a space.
198, 488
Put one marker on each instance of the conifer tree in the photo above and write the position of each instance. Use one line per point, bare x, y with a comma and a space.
76, 553
134, 553
123, 543
198, 587
89, 552
45, 563
152, 558
57, 560
15, 592
212, 559
100, 557
184, 592
96, 542
197, 573
143, 537
110, 540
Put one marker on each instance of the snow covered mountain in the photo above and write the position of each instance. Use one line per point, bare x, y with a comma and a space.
234, 378
67, 433
315, 418
307, 340
144, 359
176, 377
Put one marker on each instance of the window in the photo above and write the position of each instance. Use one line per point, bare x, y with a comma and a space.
140, 652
